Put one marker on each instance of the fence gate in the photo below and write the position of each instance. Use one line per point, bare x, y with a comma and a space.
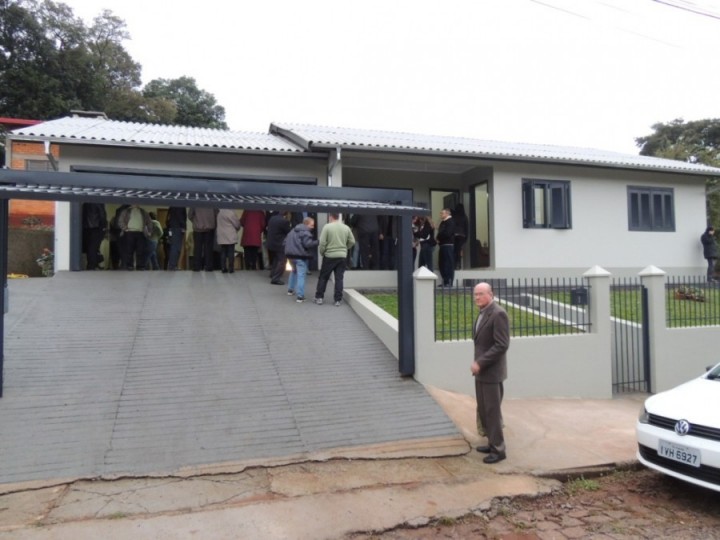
630, 334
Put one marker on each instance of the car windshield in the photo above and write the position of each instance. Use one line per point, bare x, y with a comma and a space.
714, 373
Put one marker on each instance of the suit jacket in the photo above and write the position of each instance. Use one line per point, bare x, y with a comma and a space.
492, 339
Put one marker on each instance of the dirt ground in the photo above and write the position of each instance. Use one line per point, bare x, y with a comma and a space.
627, 504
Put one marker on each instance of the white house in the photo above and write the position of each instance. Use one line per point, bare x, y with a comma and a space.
533, 209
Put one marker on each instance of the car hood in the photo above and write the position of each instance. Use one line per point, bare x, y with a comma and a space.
697, 401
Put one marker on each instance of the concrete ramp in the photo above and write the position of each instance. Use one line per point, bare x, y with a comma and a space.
153, 373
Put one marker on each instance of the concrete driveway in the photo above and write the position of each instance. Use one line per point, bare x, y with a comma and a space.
154, 373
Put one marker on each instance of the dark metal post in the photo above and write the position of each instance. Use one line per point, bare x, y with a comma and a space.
4, 221
646, 336
75, 236
406, 304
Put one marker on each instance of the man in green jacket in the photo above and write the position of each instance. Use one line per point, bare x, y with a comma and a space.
335, 240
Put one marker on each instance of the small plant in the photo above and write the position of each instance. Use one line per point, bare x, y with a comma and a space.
46, 262
32, 221
581, 484
689, 293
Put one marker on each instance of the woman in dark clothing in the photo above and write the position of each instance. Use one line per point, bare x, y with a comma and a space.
425, 236
710, 251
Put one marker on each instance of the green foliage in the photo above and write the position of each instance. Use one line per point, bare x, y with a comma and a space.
579, 485
694, 142
685, 306
52, 63
46, 262
455, 314
194, 107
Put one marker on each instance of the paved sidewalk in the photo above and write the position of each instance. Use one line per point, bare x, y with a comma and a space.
335, 497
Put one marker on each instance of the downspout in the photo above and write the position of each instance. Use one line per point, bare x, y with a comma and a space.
53, 162
335, 162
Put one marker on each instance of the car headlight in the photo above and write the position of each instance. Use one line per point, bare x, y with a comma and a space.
644, 416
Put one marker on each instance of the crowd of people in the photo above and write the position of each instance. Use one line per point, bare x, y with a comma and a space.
138, 241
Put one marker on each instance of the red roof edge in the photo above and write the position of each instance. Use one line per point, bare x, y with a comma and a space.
18, 122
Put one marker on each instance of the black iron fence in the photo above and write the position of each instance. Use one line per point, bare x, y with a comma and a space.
692, 301
630, 352
535, 307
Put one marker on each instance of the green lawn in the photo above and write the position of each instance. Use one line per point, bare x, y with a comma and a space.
455, 314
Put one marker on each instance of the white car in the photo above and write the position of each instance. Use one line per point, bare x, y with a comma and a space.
678, 431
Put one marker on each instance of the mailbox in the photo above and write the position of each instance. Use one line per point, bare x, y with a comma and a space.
579, 297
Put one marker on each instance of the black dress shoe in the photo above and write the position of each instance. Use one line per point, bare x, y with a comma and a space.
483, 449
277, 282
494, 458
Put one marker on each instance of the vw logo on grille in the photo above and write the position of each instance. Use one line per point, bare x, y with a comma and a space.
682, 427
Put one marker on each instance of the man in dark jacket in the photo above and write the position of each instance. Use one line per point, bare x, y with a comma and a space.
176, 225
446, 241
299, 249
491, 335
710, 251
94, 225
204, 222
368, 229
277, 229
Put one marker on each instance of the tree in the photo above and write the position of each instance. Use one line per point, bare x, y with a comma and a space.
52, 63
696, 141
194, 107
30, 78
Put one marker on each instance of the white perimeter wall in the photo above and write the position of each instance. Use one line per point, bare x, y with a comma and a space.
569, 366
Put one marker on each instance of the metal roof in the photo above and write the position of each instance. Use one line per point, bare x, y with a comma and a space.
183, 191
313, 138
298, 139
100, 130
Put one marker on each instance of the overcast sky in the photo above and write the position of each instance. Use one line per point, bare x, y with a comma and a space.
592, 73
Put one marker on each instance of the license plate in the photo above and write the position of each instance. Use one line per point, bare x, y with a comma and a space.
683, 454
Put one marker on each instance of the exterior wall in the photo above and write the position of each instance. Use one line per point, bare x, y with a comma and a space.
681, 354
551, 366
188, 161
31, 223
599, 233
30, 213
676, 354
383, 325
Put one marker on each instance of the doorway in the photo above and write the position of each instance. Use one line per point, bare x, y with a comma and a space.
479, 226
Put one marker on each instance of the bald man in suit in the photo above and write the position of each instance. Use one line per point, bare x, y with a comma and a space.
491, 335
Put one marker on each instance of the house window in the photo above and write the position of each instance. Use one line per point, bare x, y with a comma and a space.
651, 209
38, 165
546, 204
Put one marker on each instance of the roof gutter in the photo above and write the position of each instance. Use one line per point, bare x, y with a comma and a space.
709, 172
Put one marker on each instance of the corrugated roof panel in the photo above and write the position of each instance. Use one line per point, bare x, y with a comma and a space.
62, 192
113, 132
316, 137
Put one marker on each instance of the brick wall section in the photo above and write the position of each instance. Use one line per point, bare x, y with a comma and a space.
20, 210
27, 148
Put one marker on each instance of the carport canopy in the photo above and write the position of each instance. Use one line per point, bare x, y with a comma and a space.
173, 188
